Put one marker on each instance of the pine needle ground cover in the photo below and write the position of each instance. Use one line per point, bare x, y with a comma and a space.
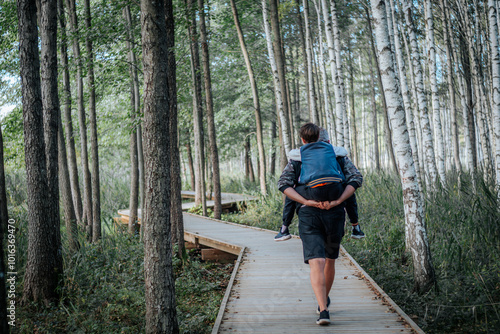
463, 227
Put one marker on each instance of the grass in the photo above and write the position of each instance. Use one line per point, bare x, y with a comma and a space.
463, 227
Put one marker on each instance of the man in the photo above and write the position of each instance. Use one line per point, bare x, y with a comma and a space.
321, 224
351, 205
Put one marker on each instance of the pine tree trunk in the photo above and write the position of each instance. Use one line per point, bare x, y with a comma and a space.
495, 78
428, 145
212, 140
65, 186
276, 80
175, 166
42, 257
190, 163
68, 123
94, 148
256, 102
134, 165
87, 186
199, 146
158, 271
436, 108
412, 197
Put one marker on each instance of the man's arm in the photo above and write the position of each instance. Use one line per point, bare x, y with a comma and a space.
288, 179
295, 196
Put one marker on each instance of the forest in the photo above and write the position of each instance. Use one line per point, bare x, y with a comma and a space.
108, 105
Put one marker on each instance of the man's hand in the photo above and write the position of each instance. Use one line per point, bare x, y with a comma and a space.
327, 205
314, 204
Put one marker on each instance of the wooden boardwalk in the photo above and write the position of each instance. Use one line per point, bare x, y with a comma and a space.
271, 291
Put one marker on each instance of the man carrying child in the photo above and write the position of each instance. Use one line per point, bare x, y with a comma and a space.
320, 187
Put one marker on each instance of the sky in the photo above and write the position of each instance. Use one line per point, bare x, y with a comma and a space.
4, 110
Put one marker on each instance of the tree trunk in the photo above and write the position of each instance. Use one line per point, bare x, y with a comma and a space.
134, 168
190, 163
4, 216
495, 78
158, 271
276, 80
65, 186
272, 168
87, 187
387, 129
68, 124
256, 102
212, 140
451, 91
405, 93
326, 102
355, 146
339, 133
412, 197
313, 112
428, 145
96, 193
436, 109
42, 257
175, 165
199, 153
304, 55
374, 117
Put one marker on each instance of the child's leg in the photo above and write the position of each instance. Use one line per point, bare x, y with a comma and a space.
288, 211
351, 207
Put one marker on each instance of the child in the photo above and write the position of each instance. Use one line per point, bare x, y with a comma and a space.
350, 204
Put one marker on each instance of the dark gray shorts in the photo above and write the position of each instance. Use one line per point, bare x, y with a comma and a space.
321, 232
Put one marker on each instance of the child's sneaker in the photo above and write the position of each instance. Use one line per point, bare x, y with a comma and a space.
357, 233
283, 235
324, 318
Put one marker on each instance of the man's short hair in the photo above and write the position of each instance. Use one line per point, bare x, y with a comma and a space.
309, 132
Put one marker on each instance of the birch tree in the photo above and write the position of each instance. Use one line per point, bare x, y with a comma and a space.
438, 133
495, 73
309, 59
427, 142
413, 201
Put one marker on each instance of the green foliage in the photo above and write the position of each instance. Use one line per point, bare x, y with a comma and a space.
13, 138
104, 291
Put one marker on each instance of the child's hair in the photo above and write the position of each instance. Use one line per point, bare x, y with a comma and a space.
309, 132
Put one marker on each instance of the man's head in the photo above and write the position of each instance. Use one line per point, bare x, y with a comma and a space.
309, 133
323, 135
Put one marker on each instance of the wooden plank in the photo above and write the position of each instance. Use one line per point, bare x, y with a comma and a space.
218, 255
271, 292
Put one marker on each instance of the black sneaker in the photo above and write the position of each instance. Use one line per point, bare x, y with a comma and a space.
282, 236
324, 318
357, 233
327, 304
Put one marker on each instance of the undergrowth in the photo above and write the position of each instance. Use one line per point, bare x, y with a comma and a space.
463, 228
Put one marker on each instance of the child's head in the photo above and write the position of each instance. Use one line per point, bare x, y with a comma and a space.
309, 133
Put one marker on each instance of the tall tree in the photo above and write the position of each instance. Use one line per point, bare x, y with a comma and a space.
276, 81
313, 115
436, 109
4, 216
94, 148
68, 123
87, 184
495, 73
158, 272
451, 90
42, 259
134, 110
412, 196
374, 116
428, 144
212, 140
279, 58
304, 55
175, 166
199, 151
256, 101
